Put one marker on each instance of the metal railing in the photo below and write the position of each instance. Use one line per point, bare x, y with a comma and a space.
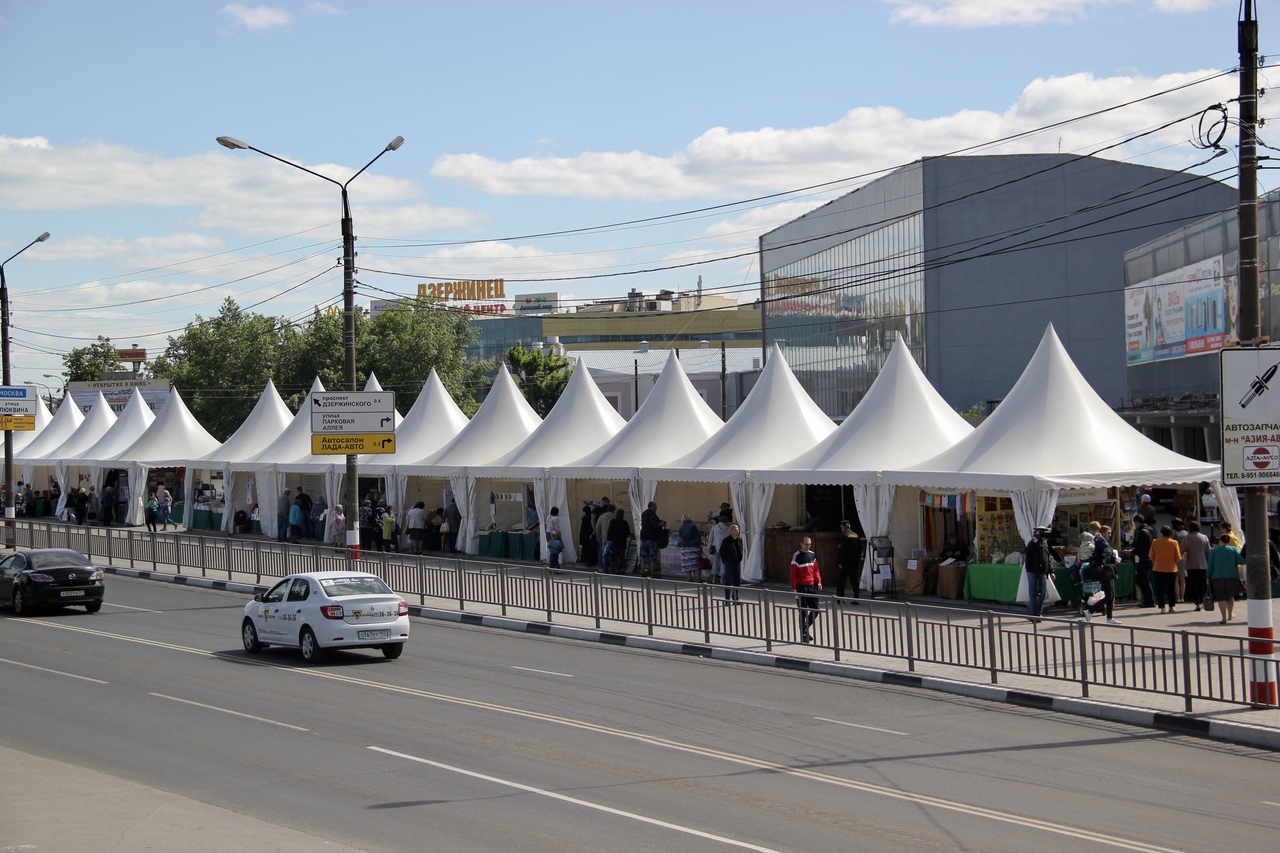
1191, 664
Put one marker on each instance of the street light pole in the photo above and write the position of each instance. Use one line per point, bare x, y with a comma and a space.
348, 312
8, 378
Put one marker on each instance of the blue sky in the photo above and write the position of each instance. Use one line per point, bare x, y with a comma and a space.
520, 119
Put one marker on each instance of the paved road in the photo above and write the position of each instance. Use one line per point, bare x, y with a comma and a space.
482, 740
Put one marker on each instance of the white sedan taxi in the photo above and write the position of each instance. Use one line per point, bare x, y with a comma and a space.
318, 611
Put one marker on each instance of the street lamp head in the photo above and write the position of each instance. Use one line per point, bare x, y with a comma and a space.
231, 142
42, 237
395, 143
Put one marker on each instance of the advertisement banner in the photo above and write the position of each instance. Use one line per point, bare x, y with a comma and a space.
1190, 311
118, 391
1139, 326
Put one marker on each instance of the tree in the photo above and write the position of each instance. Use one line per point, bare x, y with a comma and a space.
220, 365
87, 364
409, 339
541, 376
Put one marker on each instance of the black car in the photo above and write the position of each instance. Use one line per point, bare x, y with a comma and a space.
50, 577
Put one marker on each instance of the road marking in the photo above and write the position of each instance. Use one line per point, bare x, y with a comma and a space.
857, 726
127, 607
653, 740
543, 671
53, 671
1269, 803
688, 830
229, 711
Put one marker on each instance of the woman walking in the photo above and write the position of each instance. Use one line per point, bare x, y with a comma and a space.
689, 538
1224, 576
1165, 556
1197, 562
152, 512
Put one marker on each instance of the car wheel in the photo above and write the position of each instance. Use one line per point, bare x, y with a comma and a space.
93, 606
391, 651
20, 606
249, 635
311, 650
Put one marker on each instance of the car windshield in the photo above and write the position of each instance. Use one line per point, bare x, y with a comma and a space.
57, 560
338, 587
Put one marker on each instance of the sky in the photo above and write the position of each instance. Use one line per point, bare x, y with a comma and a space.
580, 148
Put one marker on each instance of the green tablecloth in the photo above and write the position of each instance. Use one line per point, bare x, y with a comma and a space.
522, 546
493, 544
999, 582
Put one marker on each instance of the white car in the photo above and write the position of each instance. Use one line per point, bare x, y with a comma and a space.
317, 611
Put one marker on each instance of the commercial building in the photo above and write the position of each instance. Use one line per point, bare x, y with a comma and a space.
969, 258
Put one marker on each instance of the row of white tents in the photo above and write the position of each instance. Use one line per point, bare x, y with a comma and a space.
1052, 432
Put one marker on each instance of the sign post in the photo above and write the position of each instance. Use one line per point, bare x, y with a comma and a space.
348, 423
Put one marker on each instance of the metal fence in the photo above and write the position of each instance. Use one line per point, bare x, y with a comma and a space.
1191, 664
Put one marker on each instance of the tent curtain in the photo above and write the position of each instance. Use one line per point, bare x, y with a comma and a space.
230, 480
875, 509
1229, 506
1033, 508
333, 478
549, 492
464, 493
61, 470
137, 492
399, 488
752, 501
269, 492
640, 492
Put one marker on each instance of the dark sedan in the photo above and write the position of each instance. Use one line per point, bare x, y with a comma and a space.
50, 577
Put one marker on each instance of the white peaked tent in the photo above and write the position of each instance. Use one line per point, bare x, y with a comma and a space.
91, 430
44, 446
775, 421
290, 452
130, 424
581, 420
1054, 432
673, 420
372, 384
268, 419
900, 421
173, 438
433, 422
23, 437
504, 420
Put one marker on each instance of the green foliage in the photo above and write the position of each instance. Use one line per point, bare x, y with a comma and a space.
87, 364
408, 340
541, 376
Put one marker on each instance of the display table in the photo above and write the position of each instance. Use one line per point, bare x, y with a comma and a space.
953, 581
999, 582
493, 543
923, 579
509, 544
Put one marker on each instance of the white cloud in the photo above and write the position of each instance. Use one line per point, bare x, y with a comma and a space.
722, 163
1180, 7
317, 8
966, 14
258, 17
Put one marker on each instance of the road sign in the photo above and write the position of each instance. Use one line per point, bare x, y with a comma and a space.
18, 408
346, 444
356, 412
1250, 402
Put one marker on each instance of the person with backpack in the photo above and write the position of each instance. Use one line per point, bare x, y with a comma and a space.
651, 528
1101, 569
1037, 560
1142, 540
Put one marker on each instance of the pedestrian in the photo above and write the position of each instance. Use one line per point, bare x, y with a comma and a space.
108, 509
435, 539
316, 517
1225, 527
587, 544
452, 526
390, 530
689, 540
650, 531
619, 535
602, 535
1142, 562
80, 505
1223, 574
379, 526
282, 514
851, 552
1180, 536
1197, 563
165, 499
1165, 555
416, 521
731, 558
813, 522
304, 501
151, 512
1037, 560
296, 519
93, 506
1147, 511
806, 582
718, 532
339, 526
1101, 569
365, 521
553, 527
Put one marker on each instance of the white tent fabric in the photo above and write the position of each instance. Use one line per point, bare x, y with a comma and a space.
173, 438
130, 424
293, 443
43, 448
23, 437
266, 422
580, 421
1051, 432
504, 420
91, 430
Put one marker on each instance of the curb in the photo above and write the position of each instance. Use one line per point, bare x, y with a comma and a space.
1183, 724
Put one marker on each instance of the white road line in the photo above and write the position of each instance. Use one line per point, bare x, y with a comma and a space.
543, 671
127, 607
53, 671
732, 758
1269, 803
688, 830
858, 726
229, 711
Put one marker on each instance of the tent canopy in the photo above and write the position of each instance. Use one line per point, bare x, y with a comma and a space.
434, 420
268, 420
63, 425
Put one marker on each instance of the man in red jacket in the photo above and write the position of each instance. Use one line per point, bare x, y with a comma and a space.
806, 581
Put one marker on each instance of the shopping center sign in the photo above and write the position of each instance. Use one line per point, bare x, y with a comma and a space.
1250, 416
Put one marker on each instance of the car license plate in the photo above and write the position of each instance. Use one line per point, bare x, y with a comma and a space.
72, 593
374, 635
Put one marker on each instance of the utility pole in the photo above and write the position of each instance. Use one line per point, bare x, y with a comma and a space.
1262, 673
724, 384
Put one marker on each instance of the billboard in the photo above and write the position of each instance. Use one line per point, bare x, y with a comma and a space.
117, 392
1250, 416
1191, 311
535, 303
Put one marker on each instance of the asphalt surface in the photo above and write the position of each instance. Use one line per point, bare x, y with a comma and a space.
147, 727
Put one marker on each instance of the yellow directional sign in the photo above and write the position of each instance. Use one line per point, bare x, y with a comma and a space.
377, 442
17, 422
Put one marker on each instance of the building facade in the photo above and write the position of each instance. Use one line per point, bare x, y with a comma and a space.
969, 259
